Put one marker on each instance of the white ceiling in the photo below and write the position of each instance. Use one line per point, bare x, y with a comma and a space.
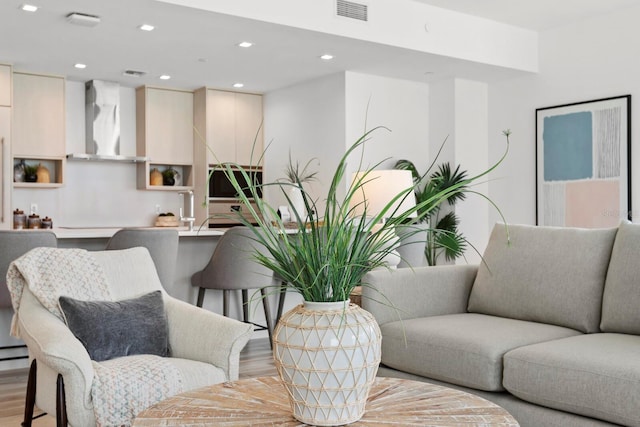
533, 14
198, 48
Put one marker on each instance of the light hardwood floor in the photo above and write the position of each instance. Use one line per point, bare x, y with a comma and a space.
256, 360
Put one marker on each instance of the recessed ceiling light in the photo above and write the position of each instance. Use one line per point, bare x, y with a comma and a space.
326, 57
165, 77
81, 66
146, 27
29, 8
238, 85
245, 44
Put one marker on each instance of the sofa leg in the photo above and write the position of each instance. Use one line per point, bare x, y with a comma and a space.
30, 399
61, 404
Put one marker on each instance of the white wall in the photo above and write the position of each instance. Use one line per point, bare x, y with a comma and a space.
459, 114
401, 106
591, 59
471, 152
97, 193
308, 121
320, 119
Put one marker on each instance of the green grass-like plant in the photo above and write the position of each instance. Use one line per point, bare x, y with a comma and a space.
330, 254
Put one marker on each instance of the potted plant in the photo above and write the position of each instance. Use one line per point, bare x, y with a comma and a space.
328, 378
296, 177
443, 238
169, 176
30, 173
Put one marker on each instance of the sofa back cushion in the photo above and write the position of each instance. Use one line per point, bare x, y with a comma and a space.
621, 299
544, 274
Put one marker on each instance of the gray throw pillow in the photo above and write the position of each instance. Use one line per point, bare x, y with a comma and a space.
110, 329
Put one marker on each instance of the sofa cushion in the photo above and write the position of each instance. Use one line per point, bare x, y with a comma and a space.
544, 274
596, 375
464, 349
621, 297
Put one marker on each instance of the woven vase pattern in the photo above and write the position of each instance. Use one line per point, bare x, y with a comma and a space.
327, 355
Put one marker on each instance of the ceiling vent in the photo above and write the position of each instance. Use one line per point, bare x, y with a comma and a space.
83, 19
133, 73
352, 10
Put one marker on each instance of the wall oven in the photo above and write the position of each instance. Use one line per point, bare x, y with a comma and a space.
224, 205
220, 186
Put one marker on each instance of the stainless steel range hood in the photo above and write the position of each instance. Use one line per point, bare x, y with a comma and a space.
102, 122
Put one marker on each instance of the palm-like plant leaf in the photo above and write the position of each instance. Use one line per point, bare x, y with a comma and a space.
409, 166
452, 243
445, 179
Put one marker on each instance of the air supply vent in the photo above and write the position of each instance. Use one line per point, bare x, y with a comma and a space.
352, 10
133, 73
83, 19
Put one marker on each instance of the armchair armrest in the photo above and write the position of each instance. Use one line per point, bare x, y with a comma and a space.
51, 343
198, 334
407, 293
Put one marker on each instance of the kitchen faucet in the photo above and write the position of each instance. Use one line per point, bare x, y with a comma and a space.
187, 202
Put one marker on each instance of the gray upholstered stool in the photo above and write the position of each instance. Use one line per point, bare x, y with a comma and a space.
162, 245
233, 267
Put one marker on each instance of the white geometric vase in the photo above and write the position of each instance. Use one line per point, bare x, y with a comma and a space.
327, 355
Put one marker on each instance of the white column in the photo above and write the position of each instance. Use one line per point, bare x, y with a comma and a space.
459, 112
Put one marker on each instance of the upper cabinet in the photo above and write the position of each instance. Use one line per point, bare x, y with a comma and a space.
233, 127
38, 116
39, 125
5, 85
164, 134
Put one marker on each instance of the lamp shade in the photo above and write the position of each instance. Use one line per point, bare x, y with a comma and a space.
377, 189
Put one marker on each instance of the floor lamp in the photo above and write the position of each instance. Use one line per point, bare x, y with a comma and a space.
376, 189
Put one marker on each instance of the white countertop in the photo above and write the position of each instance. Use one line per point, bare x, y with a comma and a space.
107, 232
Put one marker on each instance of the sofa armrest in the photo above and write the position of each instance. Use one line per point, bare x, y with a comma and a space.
51, 343
407, 293
198, 334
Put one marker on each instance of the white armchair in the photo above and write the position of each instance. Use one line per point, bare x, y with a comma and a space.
204, 346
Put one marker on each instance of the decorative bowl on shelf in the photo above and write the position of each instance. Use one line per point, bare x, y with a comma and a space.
167, 220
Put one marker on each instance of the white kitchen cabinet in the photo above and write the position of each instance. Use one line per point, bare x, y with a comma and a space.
5, 85
39, 124
164, 134
231, 125
248, 128
234, 123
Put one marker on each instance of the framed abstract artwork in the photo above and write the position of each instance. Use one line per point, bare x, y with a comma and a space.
583, 169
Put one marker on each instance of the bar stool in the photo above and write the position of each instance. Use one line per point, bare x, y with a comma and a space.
162, 245
14, 244
232, 267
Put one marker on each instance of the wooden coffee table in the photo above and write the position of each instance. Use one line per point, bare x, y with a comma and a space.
263, 402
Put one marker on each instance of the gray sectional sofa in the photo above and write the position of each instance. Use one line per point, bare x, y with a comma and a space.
548, 327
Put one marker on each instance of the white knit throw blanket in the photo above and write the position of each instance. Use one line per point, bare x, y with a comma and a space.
51, 272
121, 387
